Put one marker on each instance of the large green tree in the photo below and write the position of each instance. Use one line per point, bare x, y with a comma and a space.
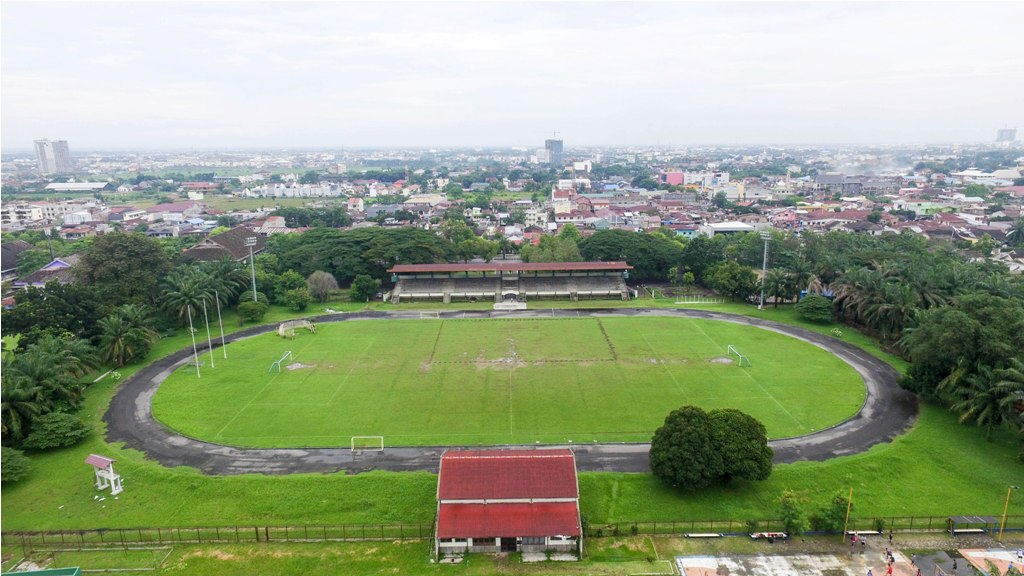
127, 268
684, 450
651, 255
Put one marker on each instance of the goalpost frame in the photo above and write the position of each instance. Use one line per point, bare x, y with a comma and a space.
287, 354
742, 360
364, 448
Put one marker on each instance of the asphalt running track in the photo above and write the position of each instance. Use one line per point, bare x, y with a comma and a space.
888, 411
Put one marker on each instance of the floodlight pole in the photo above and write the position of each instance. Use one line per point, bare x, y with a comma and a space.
846, 523
250, 242
221, 322
209, 341
766, 236
192, 332
1006, 507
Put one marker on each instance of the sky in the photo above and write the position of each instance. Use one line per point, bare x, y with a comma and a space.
206, 75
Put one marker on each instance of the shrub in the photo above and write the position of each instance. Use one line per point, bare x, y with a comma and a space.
249, 311
56, 430
831, 517
814, 308
363, 288
14, 465
321, 285
794, 523
247, 297
296, 299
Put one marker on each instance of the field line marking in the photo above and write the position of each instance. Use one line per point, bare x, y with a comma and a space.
664, 366
752, 379
256, 395
437, 339
350, 370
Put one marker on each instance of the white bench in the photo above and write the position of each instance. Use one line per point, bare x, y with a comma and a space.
704, 535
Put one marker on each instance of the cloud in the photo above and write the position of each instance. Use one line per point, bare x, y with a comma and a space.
378, 74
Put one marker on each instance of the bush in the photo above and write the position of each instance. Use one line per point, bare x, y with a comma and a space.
831, 517
814, 308
14, 465
247, 297
249, 311
321, 284
363, 288
296, 299
794, 523
56, 430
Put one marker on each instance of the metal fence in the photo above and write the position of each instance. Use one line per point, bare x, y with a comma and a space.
425, 530
200, 534
880, 523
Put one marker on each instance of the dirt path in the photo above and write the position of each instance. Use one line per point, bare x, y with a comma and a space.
887, 412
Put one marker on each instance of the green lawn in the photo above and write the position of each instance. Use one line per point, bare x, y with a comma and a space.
939, 467
429, 382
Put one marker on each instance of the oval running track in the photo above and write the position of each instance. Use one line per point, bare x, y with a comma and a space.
888, 411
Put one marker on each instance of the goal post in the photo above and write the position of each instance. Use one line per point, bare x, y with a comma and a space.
740, 358
277, 364
367, 444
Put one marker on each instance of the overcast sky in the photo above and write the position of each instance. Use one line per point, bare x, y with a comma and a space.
197, 75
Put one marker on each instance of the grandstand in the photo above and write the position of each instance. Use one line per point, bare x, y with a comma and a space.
509, 281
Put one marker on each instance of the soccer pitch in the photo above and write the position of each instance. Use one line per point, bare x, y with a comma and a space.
469, 382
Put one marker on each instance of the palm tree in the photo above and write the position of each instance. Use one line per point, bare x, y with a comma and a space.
981, 400
20, 402
890, 311
779, 285
72, 356
1015, 236
183, 289
125, 335
227, 278
1011, 387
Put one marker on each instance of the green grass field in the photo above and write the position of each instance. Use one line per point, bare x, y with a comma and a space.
458, 382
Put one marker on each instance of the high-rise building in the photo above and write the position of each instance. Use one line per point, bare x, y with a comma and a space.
554, 148
54, 157
1006, 135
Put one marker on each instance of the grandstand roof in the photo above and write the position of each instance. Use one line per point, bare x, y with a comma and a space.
505, 474
509, 267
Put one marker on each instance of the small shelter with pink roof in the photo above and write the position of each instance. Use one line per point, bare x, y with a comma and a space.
105, 475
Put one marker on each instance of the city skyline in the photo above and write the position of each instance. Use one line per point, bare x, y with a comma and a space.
320, 76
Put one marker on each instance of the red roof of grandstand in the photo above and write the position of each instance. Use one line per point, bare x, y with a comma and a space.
508, 520
509, 267
507, 474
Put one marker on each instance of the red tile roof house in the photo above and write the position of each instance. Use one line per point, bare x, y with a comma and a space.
508, 501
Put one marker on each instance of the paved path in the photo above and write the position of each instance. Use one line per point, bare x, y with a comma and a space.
887, 412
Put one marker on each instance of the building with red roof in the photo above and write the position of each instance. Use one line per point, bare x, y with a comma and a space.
508, 501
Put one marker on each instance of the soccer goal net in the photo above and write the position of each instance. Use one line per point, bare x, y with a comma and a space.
277, 364
435, 315
740, 358
367, 444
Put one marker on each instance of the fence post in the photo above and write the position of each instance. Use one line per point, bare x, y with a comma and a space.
325, 532
199, 536
266, 532
257, 530
929, 523
911, 523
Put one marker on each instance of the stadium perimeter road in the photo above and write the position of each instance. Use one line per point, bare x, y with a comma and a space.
888, 411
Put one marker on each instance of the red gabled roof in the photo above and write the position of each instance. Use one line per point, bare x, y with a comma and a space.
508, 520
509, 267
507, 474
